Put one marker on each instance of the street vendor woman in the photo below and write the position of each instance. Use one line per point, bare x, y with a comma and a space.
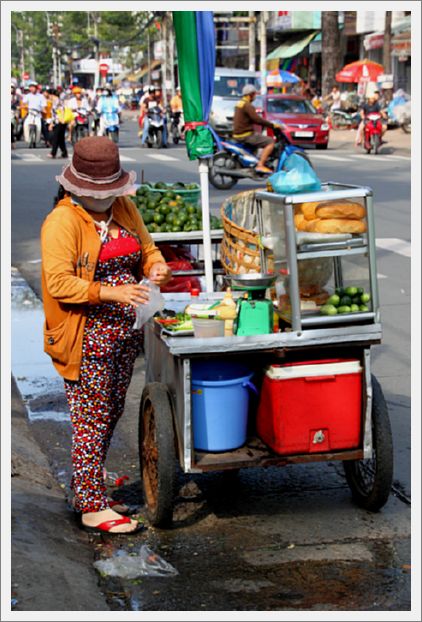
95, 250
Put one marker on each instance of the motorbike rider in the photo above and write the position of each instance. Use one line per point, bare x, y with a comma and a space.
152, 100
245, 117
370, 106
62, 117
34, 101
47, 115
108, 108
76, 103
176, 106
14, 105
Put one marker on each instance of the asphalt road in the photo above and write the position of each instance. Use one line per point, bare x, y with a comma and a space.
253, 528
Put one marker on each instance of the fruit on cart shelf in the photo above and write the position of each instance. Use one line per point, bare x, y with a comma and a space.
165, 210
352, 299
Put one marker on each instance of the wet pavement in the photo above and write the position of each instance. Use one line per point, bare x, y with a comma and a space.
257, 540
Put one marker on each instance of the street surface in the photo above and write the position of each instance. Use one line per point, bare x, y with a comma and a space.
273, 539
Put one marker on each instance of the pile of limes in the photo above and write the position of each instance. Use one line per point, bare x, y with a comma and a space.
347, 300
167, 211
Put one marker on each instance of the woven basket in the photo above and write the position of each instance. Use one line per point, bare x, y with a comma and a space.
240, 246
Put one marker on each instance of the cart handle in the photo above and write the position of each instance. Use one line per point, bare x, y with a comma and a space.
251, 386
319, 378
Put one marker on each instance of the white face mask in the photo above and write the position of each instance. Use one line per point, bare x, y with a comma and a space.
96, 205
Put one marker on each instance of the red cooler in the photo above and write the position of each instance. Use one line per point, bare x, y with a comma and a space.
311, 406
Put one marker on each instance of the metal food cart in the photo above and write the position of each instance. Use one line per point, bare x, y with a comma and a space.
165, 423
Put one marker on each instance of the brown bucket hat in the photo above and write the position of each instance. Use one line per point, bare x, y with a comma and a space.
95, 170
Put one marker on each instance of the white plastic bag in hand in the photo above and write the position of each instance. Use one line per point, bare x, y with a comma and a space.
155, 303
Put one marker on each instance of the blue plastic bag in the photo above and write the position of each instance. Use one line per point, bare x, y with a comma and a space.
297, 176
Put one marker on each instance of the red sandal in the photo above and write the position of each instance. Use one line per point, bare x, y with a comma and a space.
109, 524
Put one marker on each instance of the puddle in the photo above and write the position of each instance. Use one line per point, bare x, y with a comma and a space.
38, 382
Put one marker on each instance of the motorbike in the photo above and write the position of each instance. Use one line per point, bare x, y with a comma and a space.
32, 127
155, 128
235, 161
372, 132
176, 130
399, 111
111, 127
81, 126
343, 119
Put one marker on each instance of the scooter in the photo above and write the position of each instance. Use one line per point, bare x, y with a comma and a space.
32, 127
155, 128
235, 161
81, 127
176, 131
343, 120
111, 128
372, 132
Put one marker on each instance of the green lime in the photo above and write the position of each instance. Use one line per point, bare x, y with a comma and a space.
158, 218
334, 300
344, 309
191, 209
351, 291
340, 291
365, 298
328, 310
360, 291
345, 301
354, 308
356, 300
364, 308
149, 217
164, 209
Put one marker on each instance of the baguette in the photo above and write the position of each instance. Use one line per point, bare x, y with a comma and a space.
336, 225
308, 209
299, 221
340, 209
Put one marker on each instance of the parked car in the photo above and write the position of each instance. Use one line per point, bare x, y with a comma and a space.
228, 85
304, 125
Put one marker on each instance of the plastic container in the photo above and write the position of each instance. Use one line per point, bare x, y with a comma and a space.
208, 328
311, 407
220, 404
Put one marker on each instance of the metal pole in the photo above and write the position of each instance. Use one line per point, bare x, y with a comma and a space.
171, 58
252, 65
263, 51
206, 229
149, 59
164, 66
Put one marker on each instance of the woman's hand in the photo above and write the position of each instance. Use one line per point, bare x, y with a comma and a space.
133, 294
160, 273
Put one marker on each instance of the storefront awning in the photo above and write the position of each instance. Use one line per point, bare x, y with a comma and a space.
136, 75
293, 46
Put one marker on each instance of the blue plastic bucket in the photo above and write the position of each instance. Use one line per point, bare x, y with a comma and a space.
220, 403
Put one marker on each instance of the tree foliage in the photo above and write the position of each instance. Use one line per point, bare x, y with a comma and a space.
123, 30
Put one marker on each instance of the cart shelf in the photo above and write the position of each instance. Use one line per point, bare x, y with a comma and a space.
256, 454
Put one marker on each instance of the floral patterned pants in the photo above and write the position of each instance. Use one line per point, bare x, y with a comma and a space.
96, 403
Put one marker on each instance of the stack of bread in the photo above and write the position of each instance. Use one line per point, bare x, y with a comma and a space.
341, 216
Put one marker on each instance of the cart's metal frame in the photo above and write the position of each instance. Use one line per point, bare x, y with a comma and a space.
169, 358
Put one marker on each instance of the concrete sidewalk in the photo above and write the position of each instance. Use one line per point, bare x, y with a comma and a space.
52, 559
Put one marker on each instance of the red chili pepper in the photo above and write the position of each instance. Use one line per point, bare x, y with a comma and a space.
119, 481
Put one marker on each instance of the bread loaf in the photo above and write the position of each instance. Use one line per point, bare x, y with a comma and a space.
340, 209
336, 225
308, 209
299, 221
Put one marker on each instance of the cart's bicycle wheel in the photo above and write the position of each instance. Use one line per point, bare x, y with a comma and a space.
370, 480
157, 454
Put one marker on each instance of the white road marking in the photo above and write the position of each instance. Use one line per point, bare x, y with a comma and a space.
323, 156
371, 157
124, 158
35, 261
398, 157
161, 156
395, 245
29, 157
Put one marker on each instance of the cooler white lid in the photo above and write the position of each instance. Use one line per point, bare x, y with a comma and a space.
320, 369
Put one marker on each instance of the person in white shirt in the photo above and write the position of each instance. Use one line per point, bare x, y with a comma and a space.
36, 103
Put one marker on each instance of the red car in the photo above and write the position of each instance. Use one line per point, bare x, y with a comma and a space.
304, 125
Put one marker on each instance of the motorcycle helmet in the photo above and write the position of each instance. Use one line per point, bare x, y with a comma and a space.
248, 89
